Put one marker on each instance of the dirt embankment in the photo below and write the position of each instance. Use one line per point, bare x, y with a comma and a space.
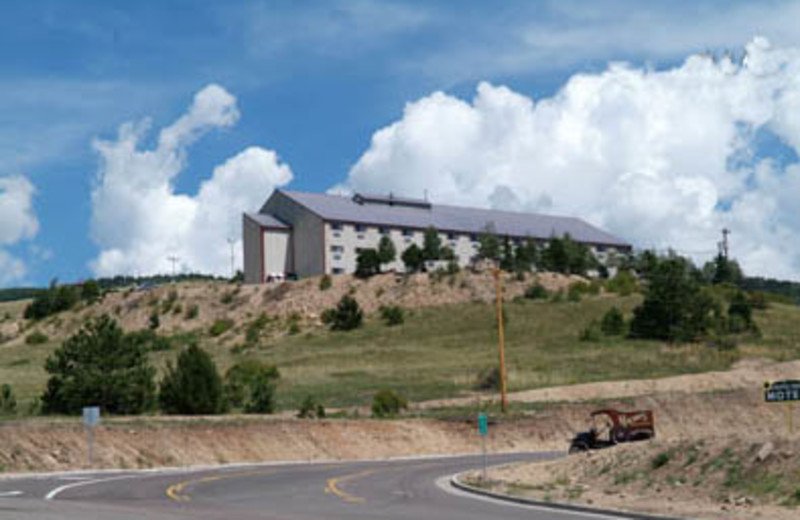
734, 478
305, 298
39, 445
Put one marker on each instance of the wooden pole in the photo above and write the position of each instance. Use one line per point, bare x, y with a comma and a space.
499, 306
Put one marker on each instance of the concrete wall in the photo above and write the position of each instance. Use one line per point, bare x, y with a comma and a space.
277, 252
251, 232
307, 244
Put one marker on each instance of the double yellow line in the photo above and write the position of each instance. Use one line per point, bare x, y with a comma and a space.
333, 486
176, 491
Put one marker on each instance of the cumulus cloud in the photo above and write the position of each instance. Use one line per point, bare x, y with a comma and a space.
17, 222
663, 158
138, 220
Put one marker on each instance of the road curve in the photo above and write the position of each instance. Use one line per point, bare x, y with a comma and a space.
391, 490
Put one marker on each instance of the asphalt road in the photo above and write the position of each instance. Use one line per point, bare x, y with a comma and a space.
393, 490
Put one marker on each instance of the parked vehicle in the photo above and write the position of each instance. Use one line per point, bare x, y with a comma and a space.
611, 427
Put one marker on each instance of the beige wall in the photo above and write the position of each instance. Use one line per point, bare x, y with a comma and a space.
308, 234
277, 252
252, 250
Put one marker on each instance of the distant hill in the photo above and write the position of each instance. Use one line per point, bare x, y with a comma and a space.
790, 290
19, 293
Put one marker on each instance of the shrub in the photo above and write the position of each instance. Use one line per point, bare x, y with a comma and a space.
387, 253
192, 312
241, 378
36, 338
8, 403
488, 379
536, 292
660, 460
392, 315
310, 408
591, 332
740, 313
574, 293
193, 386
56, 299
262, 395
387, 403
154, 321
368, 263
413, 259
100, 366
613, 322
347, 315
149, 341
325, 282
90, 291
557, 296
624, 283
227, 298
220, 327
758, 300
328, 316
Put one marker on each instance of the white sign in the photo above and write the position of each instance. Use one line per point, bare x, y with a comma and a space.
91, 416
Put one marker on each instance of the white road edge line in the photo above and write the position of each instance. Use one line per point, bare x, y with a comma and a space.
10, 494
443, 483
57, 491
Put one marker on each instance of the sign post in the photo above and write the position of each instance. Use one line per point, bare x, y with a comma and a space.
91, 417
483, 429
786, 392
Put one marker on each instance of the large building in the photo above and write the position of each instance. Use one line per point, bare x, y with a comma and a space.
310, 234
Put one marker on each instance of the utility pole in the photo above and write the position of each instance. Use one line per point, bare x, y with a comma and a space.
725, 233
174, 259
231, 242
499, 306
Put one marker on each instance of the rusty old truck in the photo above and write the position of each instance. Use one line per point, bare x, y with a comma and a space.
610, 427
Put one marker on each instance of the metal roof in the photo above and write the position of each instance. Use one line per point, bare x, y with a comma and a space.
451, 218
268, 220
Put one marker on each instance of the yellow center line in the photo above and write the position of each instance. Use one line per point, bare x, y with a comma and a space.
176, 491
333, 486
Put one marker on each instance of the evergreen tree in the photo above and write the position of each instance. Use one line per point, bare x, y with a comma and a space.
413, 259
193, 386
489, 247
99, 366
431, 244
507, 259
387, 253
367, 263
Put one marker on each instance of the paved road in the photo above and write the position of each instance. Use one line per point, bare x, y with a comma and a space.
396, 490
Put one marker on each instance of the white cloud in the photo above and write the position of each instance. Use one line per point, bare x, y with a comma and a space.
17, 222
662, 158
138, 220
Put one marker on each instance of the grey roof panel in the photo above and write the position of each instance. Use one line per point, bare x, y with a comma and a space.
452, 218
267, 220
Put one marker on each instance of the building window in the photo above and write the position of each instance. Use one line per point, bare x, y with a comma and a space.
337, 257
600, 249
473, 237
451, 236
408, 233
337, 249
337, 270
336, 226
383, 230
360, 228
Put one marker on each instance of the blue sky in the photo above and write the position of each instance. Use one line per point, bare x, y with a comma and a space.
313, 81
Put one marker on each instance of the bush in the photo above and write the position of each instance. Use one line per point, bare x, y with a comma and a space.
220, 327
193, 386
413, 259
241, 377
613, 322
90, 291
149, 341
99, 366
36, 338
660, 460
346, 316
154, 321
262, 395
52, 301
392, 315
624, 283
368, 263
536, 292
325, 282
740, 312
387, 403
574, 293
310, 408
8, 403
192, 312
758, 300
591, 332
488, 379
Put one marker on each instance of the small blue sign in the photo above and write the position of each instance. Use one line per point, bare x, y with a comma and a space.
483, 424
91, 416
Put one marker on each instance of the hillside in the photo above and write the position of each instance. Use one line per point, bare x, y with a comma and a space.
447, 341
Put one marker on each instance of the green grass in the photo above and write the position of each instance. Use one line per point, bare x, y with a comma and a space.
439, 352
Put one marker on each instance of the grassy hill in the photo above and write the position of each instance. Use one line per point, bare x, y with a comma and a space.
447, 341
